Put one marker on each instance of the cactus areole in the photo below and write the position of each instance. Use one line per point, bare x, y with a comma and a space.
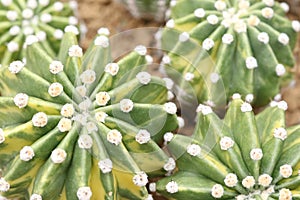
45, 19
250, 42
242, 157
80, 126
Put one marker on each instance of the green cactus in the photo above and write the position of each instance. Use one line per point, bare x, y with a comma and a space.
241, 157
147, 9
20, 19
249, 41
80, 126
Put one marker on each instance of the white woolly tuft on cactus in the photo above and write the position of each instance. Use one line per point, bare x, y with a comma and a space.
251, 62
212, 19
256, 154
71, 29
267, 13
194, 150
265, 180
226, 143
183, 37
85, 141
112, 68
227, 38
114, 137
26, 153
88, 76
199, 12
58, 156
152, 187
217, 191
102, 98
2, 136
231, 180
55, 89
143, 136
282, 105
246, 107
126, 105
189, 76
67, 110
56, 66
81, 90
140, 179
75, 51
40, 119
285, 194
141, 50
170, 108
280, 133
91, 127
168, 136
16, 66
64, 125
36, 197
286, 171
103, 31
21, 100
172, 187
100, 116
208, 44
84, 193
144, 77
102, 41
170, 164
263, 37
12, 46
296, 25
4, 186
280, 70
105, 165
283, 38
248, 182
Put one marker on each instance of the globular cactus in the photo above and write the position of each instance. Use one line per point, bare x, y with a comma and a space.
241, 157
81, 126
45, 19
147, 9
249, 42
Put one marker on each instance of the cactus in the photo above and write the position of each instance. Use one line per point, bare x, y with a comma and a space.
80, 126
45, 19
241, 157
250, 43
147, 9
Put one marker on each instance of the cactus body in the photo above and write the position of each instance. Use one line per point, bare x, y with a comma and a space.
79, 126
21, 19
241, 157
147, 9
250, 43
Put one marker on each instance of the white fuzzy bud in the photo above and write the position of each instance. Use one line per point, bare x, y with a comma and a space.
246, 107
84, 193
256, 154
75, 51
88, 76
141, 50
226, 143
112, 68
44, 2
265, 180
143, 136
280, 133
55, 89
73, 20
126, 105
140, 179
67, 110
114, 137
143, 77
217, 191
248, 182
251, 62
102, 41
172, 187
41, 35
85, 141
263, 37
180, 122
85, 105
267, 13
21, 100
91, 127
64, 125
40, 119
231, 180
169, 83
105, 165
199, 12
58, 156
194, 149
183, 37
283, 38
16, 66
286, 171
208, 44
4, 185
56, 66
26, 153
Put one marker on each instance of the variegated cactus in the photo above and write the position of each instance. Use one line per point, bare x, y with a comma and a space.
249, 41
81, 126
241, 157
147, 9
45, 19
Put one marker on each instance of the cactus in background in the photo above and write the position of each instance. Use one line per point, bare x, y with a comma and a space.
250, 43
80, 126
45, 19
147, 9
241, 157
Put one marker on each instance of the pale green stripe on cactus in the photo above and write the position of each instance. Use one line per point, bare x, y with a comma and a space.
205, 161
250, 43
78, 126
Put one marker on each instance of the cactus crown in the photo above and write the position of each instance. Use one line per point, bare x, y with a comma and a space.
20, 19
242, 157
251, 43
81, 126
